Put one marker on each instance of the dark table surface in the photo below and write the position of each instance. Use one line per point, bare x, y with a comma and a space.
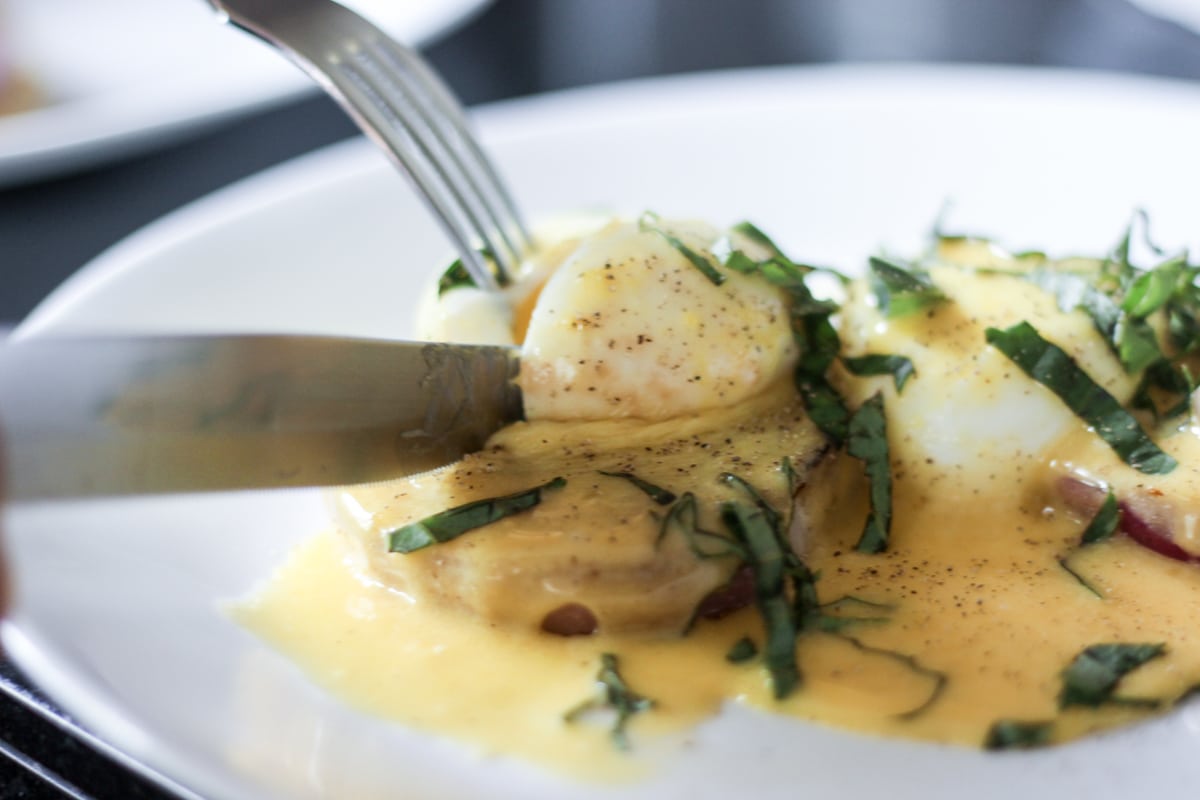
515, 47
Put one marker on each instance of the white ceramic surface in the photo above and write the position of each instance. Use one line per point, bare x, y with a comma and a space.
123, 75
119, 602
1181, 12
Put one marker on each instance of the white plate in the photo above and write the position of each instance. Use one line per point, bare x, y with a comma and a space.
119, 601
123, 75
1181, 12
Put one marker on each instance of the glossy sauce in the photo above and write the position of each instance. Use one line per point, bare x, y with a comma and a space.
969, 617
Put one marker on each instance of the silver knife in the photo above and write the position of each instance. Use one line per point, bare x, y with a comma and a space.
101, 415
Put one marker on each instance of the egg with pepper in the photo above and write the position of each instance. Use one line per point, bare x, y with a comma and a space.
941, 511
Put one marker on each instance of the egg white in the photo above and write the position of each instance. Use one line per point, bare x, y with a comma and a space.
624, 325
968, 408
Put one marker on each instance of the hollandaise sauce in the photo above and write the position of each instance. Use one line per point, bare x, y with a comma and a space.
975, 602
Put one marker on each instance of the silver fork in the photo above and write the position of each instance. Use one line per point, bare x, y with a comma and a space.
395, 97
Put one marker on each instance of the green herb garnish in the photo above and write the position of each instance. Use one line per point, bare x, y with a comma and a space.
778, 267
939, 678
1119, 297
851, 601
803, 581
457, 275
820, 617
1062, 562
831, 623
824, 404
1011, 734
1151, 290
765, 557
1174, 385
450, 524
1131, 338
1050, 366
1104, 523
902, 289
649, 222
816, 338
743, 650
868, 442
774, 518
899, 367
1093, 675
683, 515
615, 695
790, 475
656, 493
755, 234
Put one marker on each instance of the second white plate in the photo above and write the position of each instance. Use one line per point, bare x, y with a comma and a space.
123, 75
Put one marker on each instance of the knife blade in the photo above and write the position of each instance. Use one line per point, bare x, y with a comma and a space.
114, 415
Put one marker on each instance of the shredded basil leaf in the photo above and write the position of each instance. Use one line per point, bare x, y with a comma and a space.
683, 516
457, 275
655, 493
1011, 734
1165, 389
1137, 346
804, 591
820, 618
825, 405
867, 441
1151, 290
939, 678
774, 518
1050, 366
831, 623
1062, 562
450, 524
805, 603
1119, 297
816, 338
777, 270
755, 234
850, 600
899, 367
765, 557
616, 695
1104, 523
1093, 675
1183, 323
649, 222
902, 289
743, 650
790, 475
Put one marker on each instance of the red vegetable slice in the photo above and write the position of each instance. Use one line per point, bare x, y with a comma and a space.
1086, 499
1151, 536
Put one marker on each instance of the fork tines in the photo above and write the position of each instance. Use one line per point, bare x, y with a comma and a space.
398, 101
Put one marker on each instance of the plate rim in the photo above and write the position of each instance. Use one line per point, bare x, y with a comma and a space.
51, 140
341, 161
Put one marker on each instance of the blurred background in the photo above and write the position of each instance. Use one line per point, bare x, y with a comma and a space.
52, 224
54, 219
